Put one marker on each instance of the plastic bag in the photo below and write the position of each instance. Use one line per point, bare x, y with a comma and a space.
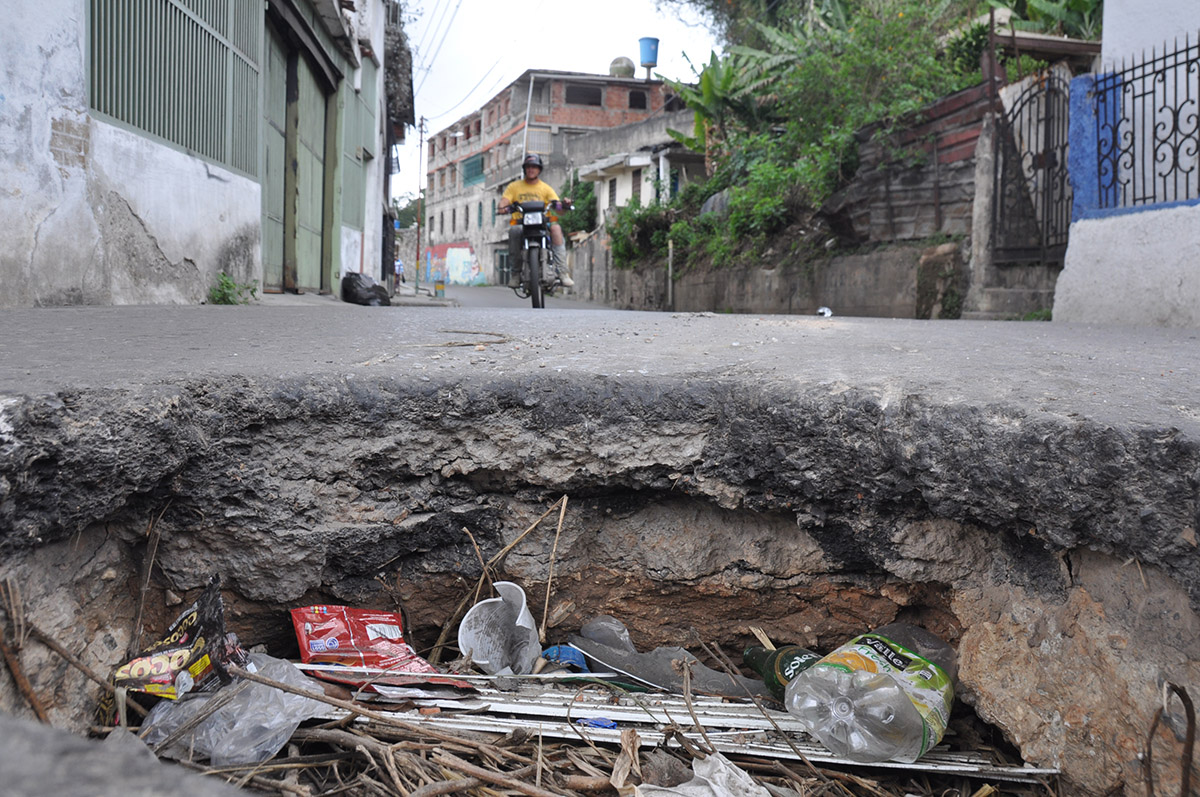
251, 728
716, 776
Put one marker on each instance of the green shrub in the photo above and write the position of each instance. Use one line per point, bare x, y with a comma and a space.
583, 217
226, 290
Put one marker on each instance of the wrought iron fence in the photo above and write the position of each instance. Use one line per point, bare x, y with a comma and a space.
1032, 207
1148, 129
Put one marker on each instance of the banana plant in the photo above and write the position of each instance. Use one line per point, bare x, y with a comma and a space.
717, 99
1079, 19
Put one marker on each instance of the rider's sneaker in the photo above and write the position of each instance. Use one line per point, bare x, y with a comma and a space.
514, 279
566, 281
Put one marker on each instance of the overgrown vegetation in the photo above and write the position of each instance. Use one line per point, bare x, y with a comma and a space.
777, 116
227, 290
583, 195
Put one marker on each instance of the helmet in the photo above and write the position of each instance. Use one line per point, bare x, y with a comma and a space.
532, 159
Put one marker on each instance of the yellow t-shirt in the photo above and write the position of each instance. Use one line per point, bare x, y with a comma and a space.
521, 191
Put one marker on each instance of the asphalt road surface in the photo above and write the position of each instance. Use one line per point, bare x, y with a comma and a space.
496, 296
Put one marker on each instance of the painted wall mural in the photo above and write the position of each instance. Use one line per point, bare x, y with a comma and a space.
454, 262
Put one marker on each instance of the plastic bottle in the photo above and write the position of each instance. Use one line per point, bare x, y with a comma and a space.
780, 665
883, 696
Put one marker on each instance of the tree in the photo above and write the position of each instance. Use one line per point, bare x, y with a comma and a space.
740, 21
407, 209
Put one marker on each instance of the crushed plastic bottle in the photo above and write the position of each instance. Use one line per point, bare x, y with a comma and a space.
883, 696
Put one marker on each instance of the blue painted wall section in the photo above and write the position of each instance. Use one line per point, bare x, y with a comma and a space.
1083, 157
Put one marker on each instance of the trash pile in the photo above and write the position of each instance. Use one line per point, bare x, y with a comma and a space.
362, 713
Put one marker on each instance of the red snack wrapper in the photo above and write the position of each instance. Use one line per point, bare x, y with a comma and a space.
362, 638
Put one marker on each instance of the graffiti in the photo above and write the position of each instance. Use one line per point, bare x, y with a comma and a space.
455, 263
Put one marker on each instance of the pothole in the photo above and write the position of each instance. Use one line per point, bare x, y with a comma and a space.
692, 515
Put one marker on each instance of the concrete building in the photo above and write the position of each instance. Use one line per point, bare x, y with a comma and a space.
1135, 231
640, 161
470, 161
148, 145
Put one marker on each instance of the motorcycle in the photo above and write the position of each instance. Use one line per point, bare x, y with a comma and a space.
539, 278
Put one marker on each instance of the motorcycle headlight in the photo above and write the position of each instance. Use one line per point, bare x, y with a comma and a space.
532, 218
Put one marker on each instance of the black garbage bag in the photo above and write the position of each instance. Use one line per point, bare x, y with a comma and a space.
361, 289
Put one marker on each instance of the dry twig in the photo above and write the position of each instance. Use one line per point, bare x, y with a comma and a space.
152, 537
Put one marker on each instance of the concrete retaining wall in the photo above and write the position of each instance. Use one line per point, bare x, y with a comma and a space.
884, 283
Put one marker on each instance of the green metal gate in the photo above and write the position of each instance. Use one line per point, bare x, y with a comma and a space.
275, 159
310, 177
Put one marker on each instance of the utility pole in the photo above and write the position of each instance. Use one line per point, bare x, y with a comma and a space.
420, 210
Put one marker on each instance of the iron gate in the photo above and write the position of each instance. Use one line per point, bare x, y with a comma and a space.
1031, 214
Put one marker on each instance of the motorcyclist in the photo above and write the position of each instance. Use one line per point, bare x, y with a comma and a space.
530, 188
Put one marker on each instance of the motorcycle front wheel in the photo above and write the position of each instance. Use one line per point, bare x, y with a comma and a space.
533, 258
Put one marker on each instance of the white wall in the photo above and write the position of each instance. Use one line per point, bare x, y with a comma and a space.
95, 214
1134, 26
1136, 269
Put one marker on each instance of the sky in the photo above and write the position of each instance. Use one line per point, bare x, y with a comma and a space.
465, 51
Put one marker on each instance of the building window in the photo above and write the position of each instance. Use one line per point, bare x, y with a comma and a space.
441, 221
637, 186
431, 183
477, 127
584, 95
637, 100
472, 170
612, 192
493, 213
432, 147
441, 178
206, 101
453, 219
480, 225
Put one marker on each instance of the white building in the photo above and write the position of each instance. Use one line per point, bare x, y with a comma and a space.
147, 145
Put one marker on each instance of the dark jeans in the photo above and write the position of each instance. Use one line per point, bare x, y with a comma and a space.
514, 250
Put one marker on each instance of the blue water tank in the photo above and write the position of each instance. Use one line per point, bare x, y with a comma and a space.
649, 46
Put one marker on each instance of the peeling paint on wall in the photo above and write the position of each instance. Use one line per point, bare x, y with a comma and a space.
140, 272
69, 143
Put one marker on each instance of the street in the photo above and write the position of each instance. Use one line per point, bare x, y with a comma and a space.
497, 296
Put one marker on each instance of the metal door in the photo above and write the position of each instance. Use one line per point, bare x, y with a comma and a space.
1032, 207
274, 160
310, 178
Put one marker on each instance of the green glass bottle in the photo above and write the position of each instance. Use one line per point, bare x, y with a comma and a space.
779, 666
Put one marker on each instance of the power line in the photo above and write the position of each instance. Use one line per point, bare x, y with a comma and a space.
433, 58
463, 101
433, 28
